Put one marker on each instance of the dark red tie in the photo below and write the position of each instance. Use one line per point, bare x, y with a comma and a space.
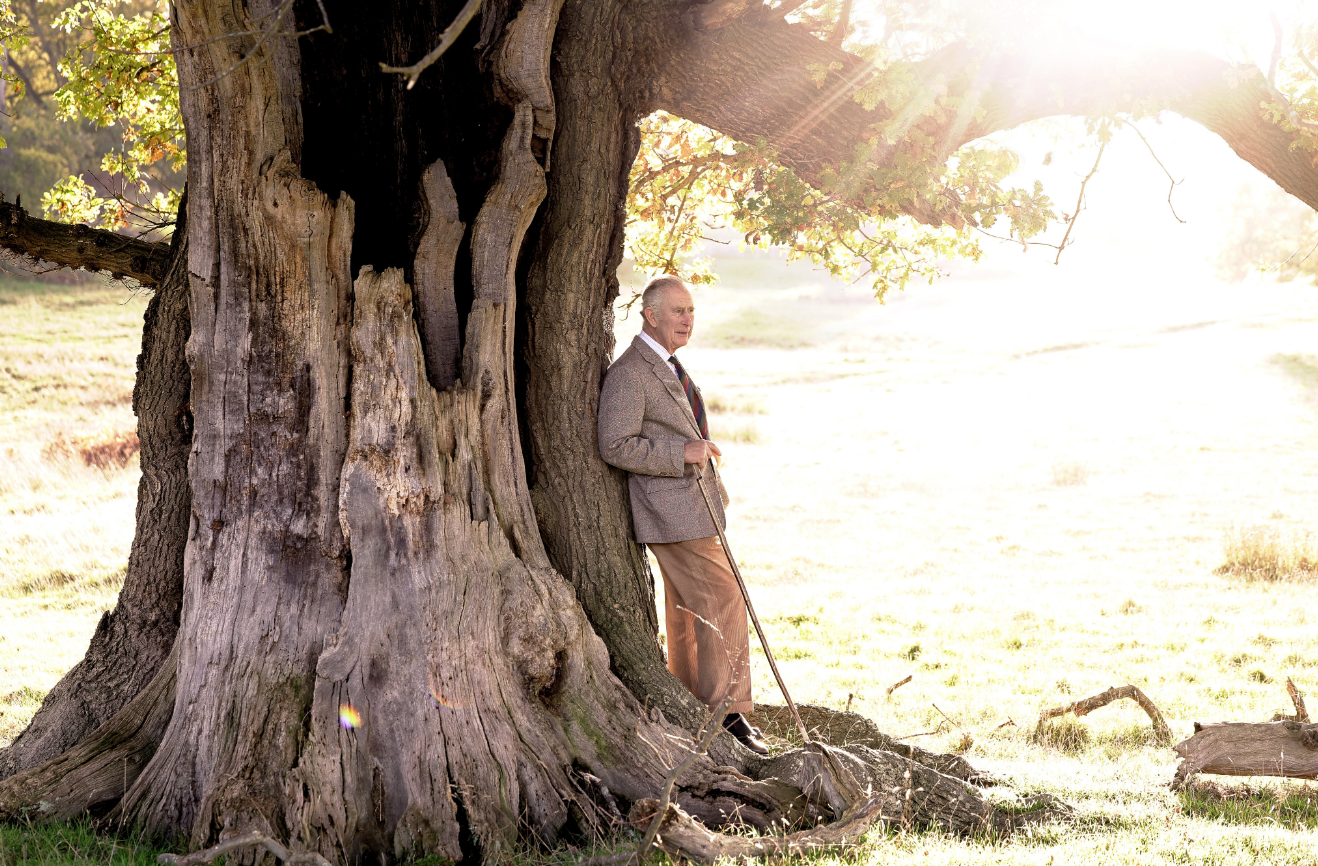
692, 396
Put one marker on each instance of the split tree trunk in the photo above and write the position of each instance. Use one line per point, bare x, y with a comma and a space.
362, 547
394, 469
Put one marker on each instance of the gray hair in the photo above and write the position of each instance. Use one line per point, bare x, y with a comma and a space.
654, 290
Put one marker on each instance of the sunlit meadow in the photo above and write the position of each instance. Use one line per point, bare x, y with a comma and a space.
66, 375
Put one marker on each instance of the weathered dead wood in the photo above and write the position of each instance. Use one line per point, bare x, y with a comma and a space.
1288, 749
935, 800
1297, 698
1087, 705
839, 728
436, 306
681, 836
712, 726
81, 246
919, 797
897, 685
257, 840
94, 774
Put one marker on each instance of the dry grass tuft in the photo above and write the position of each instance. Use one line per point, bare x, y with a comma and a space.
743, 405
108, 449
1070, 474
1066, 734
1261, 553
746, 433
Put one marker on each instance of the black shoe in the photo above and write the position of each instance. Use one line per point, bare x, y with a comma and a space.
736, 724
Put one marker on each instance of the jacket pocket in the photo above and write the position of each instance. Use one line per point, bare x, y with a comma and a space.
657, 483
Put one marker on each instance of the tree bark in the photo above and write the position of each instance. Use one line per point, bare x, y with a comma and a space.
580, 502
79, 246
130, 641
1288, 749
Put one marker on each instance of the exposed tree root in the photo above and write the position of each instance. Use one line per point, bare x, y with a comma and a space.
93, 775
258, 840
1102, 699
841, 728
681, 836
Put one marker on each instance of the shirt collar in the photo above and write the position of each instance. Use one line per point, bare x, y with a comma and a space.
658, 350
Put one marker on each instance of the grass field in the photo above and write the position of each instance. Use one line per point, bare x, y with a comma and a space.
1015, 490
66, 376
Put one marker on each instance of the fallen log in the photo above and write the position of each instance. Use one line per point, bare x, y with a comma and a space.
1102, 699
1286, 748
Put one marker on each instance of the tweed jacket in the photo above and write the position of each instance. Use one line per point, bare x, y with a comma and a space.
645, 422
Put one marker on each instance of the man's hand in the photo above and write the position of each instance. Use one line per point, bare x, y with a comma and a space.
697, 451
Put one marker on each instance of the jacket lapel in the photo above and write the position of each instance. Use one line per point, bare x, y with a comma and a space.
668, 378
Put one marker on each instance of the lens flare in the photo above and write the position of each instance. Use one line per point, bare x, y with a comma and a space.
349, 718
438, 695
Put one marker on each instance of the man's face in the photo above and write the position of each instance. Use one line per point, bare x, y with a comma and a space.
673, 319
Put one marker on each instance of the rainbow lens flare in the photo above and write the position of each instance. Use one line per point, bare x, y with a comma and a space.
438, 696
349, 718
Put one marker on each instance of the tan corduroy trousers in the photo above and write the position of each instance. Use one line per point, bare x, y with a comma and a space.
708, 640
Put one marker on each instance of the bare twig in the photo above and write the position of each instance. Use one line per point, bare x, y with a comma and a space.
1174, 183
1297, 698
897, 685
228, 846
1007, 724
1079, 203
446, 40
1102, 699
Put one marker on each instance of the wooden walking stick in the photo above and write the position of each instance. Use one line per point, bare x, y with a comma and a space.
750, 608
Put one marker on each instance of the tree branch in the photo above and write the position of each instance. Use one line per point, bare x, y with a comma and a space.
756, 79
1173, 181
839, 31
446, 40
81, 246
1079, 202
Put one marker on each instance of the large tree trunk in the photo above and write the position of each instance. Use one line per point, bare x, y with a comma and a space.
375, 653
412, 618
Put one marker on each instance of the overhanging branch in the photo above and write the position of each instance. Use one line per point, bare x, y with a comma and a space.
761, 78
81, 246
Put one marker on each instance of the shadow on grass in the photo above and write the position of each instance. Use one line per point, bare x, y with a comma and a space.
1284, 804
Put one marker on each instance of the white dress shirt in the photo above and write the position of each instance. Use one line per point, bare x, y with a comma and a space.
660, 350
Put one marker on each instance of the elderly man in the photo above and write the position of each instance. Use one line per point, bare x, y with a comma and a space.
652, 424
